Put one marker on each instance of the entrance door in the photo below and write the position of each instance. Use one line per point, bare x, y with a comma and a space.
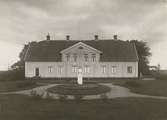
37, 72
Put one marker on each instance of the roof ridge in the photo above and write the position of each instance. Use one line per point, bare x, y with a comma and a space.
83, 40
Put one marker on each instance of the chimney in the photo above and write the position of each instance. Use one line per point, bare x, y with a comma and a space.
115, 37
48, 37
96, 37
67, 37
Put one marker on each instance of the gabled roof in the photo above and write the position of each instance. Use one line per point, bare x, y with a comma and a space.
80, 44
112, 50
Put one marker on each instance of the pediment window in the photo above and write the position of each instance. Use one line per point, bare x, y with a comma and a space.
86, 57
75, 57
68, 57
93, 57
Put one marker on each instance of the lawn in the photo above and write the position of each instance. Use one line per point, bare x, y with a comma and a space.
9, 86
149, 87
19, 107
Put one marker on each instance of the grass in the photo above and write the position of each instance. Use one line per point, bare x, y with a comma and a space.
9, 86
19, 107
12, 75
149, 87
75, 89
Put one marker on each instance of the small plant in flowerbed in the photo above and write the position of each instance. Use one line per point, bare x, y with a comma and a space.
104, 96
62, 97
48, 96
78, 97
35, 95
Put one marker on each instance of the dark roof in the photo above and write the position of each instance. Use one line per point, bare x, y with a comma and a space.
112, 50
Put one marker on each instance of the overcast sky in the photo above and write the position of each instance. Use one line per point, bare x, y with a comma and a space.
30, 20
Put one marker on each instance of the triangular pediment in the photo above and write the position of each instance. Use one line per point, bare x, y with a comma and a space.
80, 46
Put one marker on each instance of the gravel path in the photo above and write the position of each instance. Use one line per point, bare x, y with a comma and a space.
116, 92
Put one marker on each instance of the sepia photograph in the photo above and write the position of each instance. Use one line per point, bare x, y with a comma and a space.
83, 60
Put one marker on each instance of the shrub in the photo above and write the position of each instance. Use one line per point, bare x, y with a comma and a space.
35, 96
104, 96
48, 96
62, 97
78, 97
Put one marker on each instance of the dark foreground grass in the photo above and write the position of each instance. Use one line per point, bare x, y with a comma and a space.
17, 107
149, 87
9, 86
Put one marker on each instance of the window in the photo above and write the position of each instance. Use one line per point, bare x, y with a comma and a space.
103, 68
50, 68
68, 57
74, 69
60, 70
113, 69
86, 57
93, 57
86, 69
75, 57
129, 69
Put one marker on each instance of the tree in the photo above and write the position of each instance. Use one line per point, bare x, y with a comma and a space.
20, 63
17, 71
144, 53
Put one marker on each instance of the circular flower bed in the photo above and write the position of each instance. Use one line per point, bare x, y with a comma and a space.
75, 89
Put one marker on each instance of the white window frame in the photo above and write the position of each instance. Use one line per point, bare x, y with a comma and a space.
103, 68
67, 57
86, 69
75, 57
93, 57
129, 69
50, 69
74, 69
113, 69
60, 69
86, 57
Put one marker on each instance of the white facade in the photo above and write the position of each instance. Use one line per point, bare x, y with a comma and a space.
61, 69
84, 57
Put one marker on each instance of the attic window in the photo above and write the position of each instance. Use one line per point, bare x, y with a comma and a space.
86, 57
68, 57
80, 47
75, 57
93, 57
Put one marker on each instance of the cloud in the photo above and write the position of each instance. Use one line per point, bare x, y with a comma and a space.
81, 18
